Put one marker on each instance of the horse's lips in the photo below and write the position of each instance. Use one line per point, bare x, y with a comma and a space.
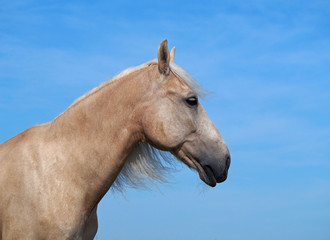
207, 176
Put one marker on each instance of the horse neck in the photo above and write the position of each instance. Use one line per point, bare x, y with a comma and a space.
98, 132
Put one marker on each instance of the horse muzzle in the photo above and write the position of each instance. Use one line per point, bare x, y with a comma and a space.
212, 168
213, 172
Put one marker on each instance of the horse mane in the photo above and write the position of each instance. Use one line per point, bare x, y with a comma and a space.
176, 69
145, 163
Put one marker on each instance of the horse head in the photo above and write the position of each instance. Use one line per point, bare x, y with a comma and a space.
174, 120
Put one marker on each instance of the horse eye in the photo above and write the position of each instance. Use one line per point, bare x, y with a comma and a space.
192, 101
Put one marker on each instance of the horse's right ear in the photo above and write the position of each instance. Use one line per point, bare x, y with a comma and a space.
163, 58
172, 53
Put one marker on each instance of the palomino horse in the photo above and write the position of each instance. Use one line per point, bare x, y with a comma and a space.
53, 175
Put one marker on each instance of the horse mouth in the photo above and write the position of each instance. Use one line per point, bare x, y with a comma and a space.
206, 174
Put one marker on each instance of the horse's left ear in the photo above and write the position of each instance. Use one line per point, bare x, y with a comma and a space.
163, 58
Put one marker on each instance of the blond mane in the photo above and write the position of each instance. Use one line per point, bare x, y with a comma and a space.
176, 69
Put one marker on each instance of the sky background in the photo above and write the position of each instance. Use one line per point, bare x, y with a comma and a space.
267, 64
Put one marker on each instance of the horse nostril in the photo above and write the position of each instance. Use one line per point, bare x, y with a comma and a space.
228, 162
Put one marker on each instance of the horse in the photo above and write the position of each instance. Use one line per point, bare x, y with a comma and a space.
53, 175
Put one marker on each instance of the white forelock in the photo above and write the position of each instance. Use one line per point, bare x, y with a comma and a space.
188, 79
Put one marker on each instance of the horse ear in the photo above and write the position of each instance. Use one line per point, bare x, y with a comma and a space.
163, 58
172, 54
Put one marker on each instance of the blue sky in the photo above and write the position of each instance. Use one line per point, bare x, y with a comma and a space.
267, 64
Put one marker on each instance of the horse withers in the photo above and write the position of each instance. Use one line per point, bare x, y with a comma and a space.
53, 175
